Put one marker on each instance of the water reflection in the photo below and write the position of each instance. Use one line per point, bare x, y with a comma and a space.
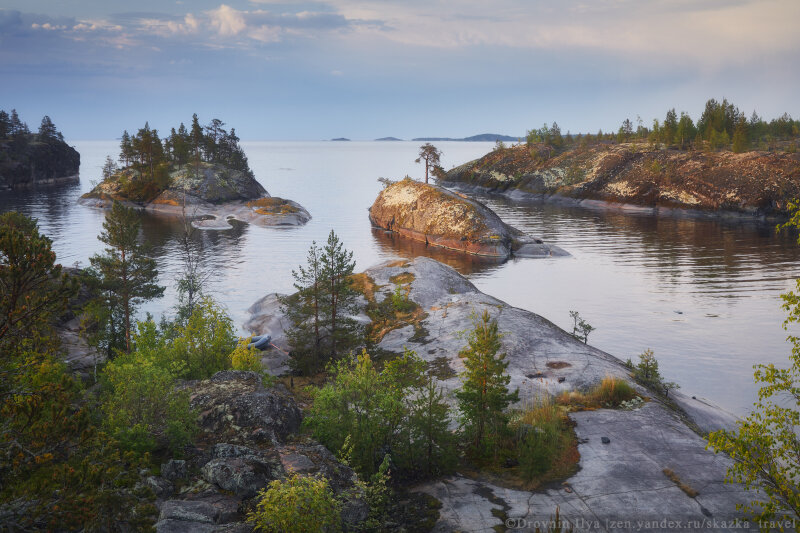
465, 264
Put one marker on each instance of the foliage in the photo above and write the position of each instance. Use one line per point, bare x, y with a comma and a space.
610, 392
124, 276
149, 158
484, 394
765, 446
431, 155
580, 328
32, 286
542, 434
399, 411
57, 470
244, 358
203, 346
319, 313
298, 504
646, 370
142, 408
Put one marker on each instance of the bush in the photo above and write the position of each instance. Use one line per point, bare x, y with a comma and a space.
244, 358
541, 435
298, 504
613, 391
203, 346
363, 413
143, 409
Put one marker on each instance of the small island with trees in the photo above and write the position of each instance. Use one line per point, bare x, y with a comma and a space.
200, 171
30, 159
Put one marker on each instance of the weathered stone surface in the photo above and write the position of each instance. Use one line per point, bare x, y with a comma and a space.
174, 469
243, 475
619, 479
674, 182
623, 480
161, 487
235, 407
440, 217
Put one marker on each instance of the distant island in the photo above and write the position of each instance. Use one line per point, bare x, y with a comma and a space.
202, 170
388, 139
34, 159
340, 139
483, 137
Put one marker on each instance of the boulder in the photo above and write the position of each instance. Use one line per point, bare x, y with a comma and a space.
439, 217
236, 408
244, 475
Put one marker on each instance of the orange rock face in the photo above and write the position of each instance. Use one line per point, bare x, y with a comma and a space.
439, 217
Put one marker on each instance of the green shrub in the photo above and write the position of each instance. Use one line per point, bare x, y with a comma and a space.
143, 409
362, 411
297, 505
244, 358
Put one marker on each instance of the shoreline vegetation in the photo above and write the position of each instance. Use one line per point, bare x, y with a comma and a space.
200, 172
725, 164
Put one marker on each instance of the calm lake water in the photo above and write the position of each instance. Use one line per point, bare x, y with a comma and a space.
703, 294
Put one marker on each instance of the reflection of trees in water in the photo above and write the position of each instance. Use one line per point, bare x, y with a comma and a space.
465, 264
218, 248
707, 250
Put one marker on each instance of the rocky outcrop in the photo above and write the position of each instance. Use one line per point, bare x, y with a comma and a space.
442, 218
29, 161
211, 196
624, 454
248, 438
660, 181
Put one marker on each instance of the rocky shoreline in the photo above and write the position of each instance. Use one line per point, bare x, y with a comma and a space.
639, 178
212, 197
625, 455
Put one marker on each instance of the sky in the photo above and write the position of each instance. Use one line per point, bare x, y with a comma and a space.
297, 70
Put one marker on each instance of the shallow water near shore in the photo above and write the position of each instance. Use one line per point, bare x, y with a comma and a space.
702, 293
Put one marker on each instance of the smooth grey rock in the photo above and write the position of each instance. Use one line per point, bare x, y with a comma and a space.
605, 440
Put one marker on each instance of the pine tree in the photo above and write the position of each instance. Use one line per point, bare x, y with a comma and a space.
337, 267
47, 130
197, 138
305, 314
5, 125
127, 276
431, 155
430, 418
484, 395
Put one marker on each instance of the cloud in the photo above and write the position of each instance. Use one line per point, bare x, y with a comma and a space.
226, 20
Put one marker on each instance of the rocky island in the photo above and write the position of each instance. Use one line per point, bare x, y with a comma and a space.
202, 172
639, 176
34, 159
642, 462
439, 217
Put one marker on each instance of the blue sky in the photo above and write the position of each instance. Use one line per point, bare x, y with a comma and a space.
368, 69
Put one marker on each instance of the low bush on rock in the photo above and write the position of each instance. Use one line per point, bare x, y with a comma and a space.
297, 505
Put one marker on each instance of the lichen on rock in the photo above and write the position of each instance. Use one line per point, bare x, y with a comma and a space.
444, 218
